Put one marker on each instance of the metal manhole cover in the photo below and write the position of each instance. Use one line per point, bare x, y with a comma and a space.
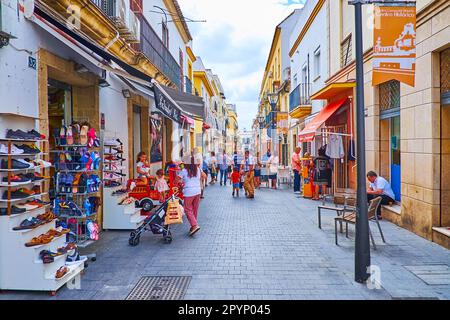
160, 288
433, 275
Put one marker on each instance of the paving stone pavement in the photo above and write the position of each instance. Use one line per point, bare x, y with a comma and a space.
267, 248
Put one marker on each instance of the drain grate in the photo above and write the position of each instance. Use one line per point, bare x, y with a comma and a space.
433, 275
160, 288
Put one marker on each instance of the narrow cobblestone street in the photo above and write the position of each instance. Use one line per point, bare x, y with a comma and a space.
268, 248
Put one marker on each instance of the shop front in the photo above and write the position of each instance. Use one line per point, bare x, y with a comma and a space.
332, 130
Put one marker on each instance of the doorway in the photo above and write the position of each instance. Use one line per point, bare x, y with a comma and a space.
445, 137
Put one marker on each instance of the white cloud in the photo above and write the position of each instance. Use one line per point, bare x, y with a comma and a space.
235, 42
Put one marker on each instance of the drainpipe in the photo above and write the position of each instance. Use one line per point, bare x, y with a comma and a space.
112, 41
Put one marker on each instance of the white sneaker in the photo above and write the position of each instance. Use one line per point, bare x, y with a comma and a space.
14, 149
43, 164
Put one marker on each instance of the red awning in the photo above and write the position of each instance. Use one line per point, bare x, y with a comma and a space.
308, 134
206, 126
188, 120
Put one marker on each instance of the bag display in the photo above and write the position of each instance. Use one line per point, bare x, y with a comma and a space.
174, 213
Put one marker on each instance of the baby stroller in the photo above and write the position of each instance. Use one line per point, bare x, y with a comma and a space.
155, 224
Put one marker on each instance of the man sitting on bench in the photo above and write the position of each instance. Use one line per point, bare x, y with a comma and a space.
379, 187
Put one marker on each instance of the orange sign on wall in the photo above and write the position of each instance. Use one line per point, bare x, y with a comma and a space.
394, 50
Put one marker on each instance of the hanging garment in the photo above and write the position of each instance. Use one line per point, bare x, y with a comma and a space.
335, 148
351, 150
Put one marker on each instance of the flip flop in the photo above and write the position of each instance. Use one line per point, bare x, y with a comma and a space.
84, 135
193, 232
62, 136
69, 136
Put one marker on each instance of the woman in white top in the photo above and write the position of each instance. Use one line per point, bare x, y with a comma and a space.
272, 165
191, 175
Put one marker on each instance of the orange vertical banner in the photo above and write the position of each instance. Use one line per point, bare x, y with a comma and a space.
394, 50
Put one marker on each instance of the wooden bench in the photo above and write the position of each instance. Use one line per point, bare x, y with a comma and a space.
351, 219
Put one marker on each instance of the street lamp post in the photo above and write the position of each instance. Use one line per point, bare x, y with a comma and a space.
273, 100
362, 244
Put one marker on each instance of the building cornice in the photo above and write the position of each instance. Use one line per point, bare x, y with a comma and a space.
203, 77
431, 10
306, 27
191, 54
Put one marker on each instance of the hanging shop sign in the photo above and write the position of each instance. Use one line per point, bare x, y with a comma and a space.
283, 123
166, 106
394, 50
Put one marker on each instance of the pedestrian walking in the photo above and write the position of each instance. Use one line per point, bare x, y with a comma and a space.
223, 166
191, 175
272, 166
297, 168
258, 167
213, 167
236, 180
247, 169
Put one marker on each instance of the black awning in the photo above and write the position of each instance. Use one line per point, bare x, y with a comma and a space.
192, 106
90, 45
166, 106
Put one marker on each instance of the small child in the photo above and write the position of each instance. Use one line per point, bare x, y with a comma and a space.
236, 178
143, 168
161, 185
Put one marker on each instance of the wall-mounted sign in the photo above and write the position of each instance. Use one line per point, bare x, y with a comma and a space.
32, 63
394, 50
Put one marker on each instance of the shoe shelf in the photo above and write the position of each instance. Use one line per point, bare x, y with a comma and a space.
22, 140
74, 168
20, 266
19, 184
24, 199
82, 217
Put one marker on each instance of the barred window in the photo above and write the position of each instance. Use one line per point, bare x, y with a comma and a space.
445, 71
346, 51
389, 95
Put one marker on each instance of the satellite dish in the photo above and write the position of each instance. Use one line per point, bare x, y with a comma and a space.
28, 6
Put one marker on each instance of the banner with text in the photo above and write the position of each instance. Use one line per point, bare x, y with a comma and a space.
394, 50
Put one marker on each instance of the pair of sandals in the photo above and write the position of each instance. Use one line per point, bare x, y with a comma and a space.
93, 230
48, 256
61, 272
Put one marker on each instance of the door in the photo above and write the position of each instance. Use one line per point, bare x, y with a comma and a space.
445, 138
395, 157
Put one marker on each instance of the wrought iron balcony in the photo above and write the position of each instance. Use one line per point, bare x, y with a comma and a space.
300, 96
154, 49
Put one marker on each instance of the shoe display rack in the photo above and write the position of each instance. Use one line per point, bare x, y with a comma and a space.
20, 266
78, 190
113, 168
119, 215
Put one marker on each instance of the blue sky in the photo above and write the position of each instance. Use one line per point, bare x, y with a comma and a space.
235, 43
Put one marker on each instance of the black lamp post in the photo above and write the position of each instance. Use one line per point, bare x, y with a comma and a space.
273, 101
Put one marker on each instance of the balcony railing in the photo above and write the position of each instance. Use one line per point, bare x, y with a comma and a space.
154, 49
300, 96
188, 85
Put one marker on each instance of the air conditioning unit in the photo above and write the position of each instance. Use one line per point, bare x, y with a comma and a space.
134, 29
118, 11
8, 21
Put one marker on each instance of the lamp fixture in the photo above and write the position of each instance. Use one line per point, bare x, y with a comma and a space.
102, 81
126, 93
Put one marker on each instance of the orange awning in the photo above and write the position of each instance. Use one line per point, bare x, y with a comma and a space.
332, 90
308, 134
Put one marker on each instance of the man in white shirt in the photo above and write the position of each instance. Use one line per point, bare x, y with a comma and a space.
379, 187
